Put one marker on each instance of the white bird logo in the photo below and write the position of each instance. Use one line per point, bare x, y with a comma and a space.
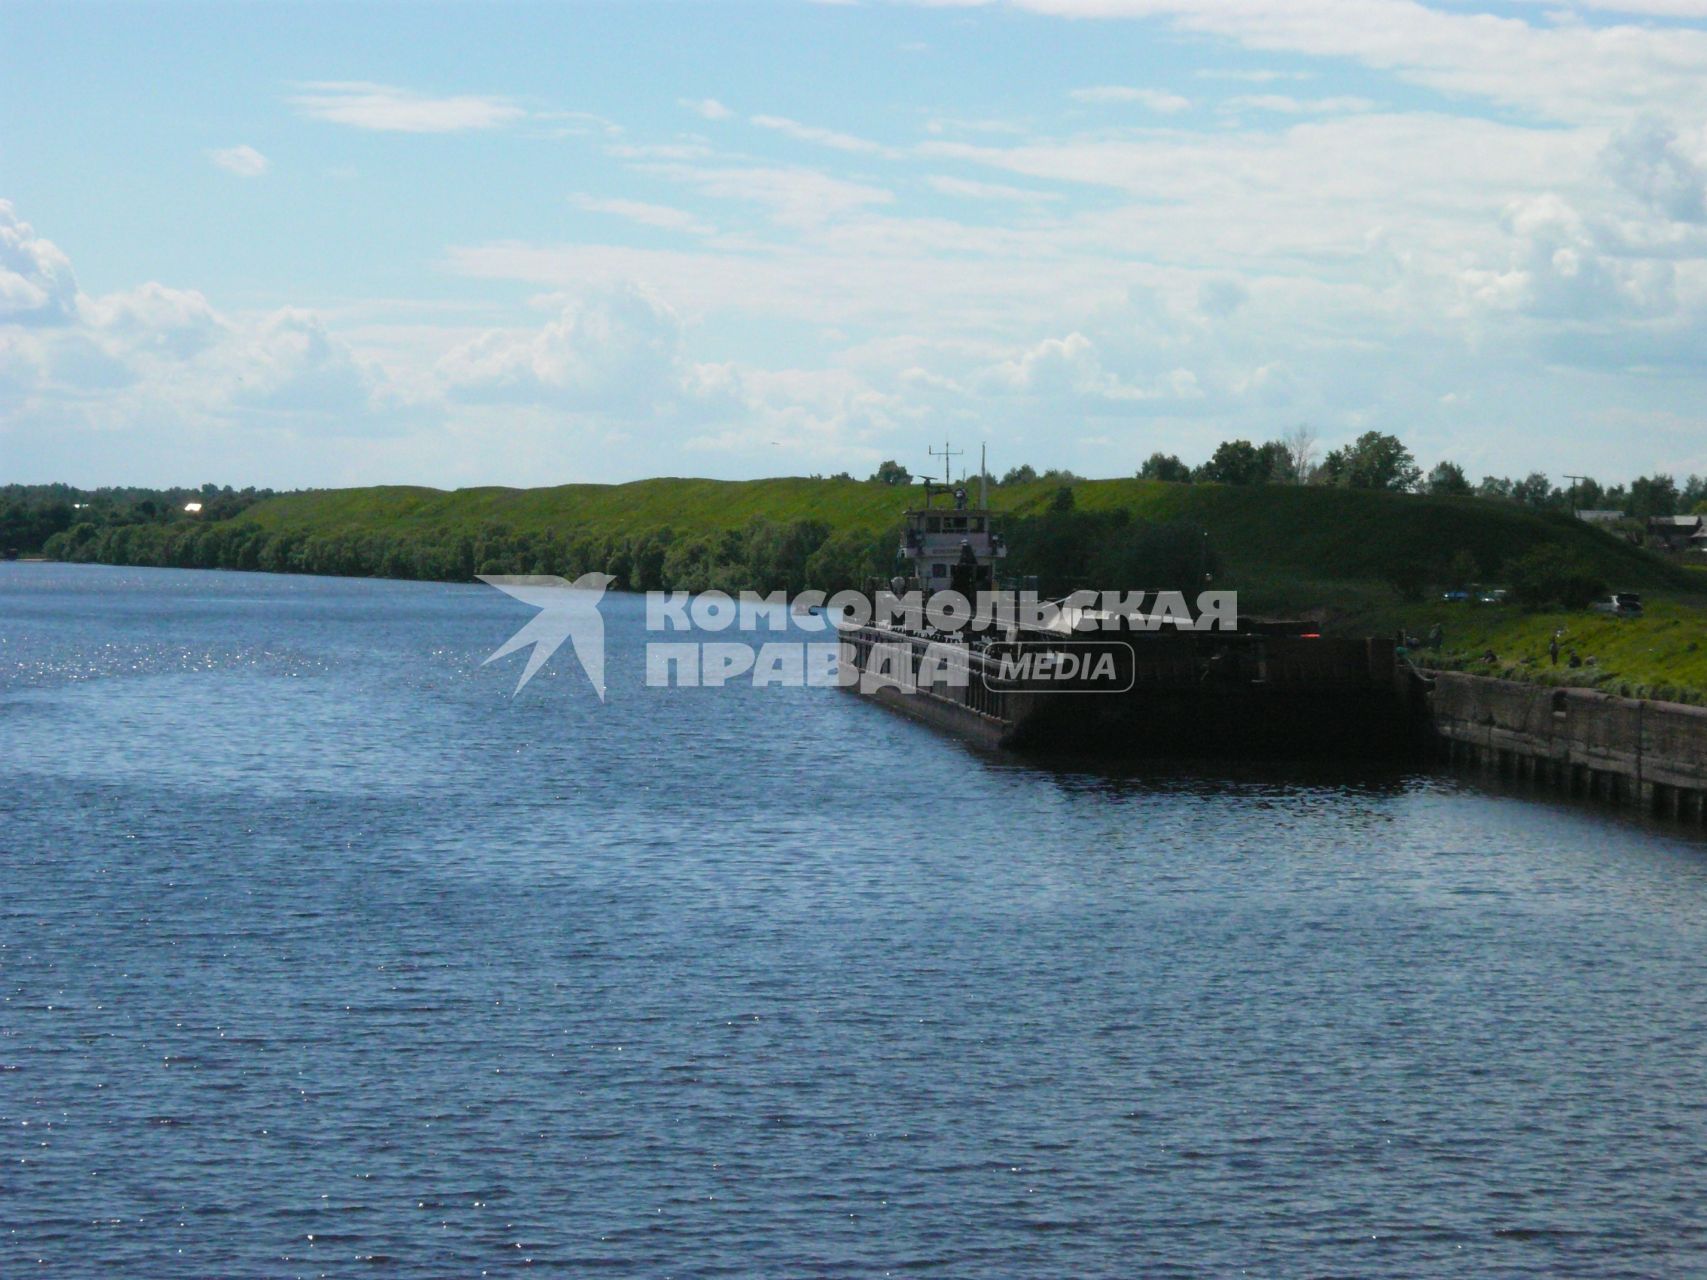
567, 611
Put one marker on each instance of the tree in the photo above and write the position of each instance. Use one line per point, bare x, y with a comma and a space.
1373, 461
1300, 445
1494, 487
1652, 496
892, 472
1235, 462
1023, 474
1165, 466
1585, 494
1276, 460
1534, 490
1447, 481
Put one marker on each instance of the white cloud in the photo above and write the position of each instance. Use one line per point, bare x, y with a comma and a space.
1558, 268
615, 350
1569, 71
970, 190
154, 321
165, 358
661, 216
290, 362
389, 109
797, 197
1284, 104
1162, 100
706, 108
36, 282
1070, 368
244, 160
1255, 75
1664, 170
821, 137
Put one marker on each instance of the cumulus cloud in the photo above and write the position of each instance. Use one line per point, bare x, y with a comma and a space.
1070, 368
290, 362
1654, 163
615, 350
1559, 268
37, 286
154, 321
386, 108
155, 354
244, 160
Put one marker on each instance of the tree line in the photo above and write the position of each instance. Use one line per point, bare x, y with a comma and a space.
32, 514
1376, 460
1063, 548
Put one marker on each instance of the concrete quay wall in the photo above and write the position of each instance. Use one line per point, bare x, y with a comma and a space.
1625, 750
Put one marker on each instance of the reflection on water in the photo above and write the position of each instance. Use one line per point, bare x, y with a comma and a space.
318, 950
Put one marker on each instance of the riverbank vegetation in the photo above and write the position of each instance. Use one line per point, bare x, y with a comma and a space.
1350, 558
1282, 545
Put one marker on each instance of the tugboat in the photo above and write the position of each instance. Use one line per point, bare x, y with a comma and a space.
1136, 682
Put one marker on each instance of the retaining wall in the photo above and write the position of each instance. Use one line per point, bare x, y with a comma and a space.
1650, 754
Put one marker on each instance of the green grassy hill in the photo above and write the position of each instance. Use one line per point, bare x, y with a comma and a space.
1355, 561
1282, 542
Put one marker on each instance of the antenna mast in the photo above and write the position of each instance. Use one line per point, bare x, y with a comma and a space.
947, 455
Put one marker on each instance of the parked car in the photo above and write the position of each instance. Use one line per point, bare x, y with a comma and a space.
1496, 596
1455, 597
1622, 604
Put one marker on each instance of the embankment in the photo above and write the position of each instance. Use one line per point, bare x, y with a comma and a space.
1645, 754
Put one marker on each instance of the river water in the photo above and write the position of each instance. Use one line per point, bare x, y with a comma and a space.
323, 953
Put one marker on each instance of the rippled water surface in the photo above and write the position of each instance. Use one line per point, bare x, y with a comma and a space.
322, 954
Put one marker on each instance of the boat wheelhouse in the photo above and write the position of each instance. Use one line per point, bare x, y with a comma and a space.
953, 546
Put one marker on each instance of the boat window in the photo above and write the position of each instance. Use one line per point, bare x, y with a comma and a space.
939, 571
977, 524
934, 524
955, 524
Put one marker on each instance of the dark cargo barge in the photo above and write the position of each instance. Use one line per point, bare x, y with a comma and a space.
1254, 689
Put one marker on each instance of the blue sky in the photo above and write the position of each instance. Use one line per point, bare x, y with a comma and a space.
322, 245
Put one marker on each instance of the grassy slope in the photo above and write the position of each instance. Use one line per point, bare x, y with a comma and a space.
1662, 654
1286, 549
1272, 540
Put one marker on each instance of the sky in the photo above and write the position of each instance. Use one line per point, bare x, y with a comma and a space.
319, 245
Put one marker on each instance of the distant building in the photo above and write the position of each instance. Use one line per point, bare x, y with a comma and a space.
1676, 533
1600, 516
192, 508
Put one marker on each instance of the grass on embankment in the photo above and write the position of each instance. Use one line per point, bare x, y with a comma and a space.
1662, 654
1282, 544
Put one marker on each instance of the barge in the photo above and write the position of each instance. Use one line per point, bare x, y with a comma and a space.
1132, 682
